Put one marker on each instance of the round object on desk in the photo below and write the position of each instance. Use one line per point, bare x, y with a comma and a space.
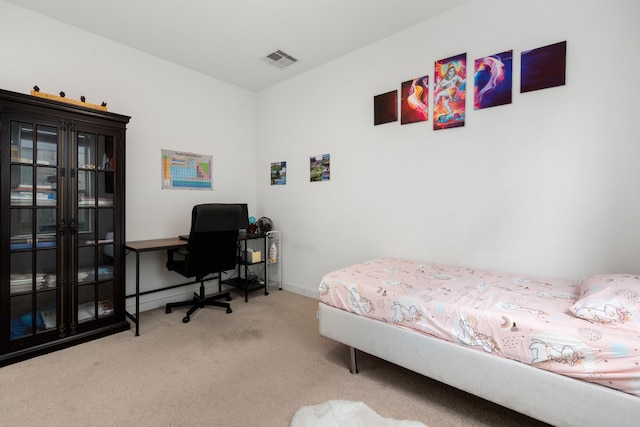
264, 225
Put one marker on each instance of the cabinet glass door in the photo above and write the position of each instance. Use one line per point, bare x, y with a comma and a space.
34, 257
93, 193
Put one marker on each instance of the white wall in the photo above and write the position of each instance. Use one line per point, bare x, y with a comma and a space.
547, 185
171, 107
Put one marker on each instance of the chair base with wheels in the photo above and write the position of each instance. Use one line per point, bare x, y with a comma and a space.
200, 301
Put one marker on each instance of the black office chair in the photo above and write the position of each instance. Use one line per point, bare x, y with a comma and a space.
211, 249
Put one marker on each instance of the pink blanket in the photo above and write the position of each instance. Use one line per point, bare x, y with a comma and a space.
523, 318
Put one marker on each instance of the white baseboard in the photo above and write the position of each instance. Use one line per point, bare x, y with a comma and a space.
160, 299
301, 291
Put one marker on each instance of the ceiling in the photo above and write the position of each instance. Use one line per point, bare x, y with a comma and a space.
229, 39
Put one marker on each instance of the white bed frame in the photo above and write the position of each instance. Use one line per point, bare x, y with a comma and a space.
549, 397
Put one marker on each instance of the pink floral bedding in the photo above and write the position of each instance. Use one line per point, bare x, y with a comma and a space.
528, 319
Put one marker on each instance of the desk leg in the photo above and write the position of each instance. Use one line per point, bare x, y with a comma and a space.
137, 293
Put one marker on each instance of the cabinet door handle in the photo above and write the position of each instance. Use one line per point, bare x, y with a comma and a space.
73, 226
61, 226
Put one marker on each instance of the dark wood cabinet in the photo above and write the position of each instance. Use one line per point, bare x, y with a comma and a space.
62, 225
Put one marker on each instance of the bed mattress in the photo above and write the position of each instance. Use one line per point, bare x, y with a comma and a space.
527, 319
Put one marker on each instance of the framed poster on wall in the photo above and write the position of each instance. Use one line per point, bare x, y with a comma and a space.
449, 92
186, 171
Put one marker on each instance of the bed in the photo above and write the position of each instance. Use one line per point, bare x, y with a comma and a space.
564, 352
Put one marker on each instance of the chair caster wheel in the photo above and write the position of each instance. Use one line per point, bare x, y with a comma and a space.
229, 298
186, 319
167, 310
229, 310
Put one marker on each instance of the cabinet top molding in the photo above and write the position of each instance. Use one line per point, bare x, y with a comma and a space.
35, 100
67, 100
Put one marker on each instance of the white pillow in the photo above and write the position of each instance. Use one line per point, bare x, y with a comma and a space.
610, 299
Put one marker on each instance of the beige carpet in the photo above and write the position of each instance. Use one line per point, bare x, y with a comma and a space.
254, 367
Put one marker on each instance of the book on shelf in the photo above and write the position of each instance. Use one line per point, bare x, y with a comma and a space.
23, 282
87, 311
49, 319
105, 307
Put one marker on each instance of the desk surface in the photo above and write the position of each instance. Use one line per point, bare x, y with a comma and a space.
172, 242
155, 244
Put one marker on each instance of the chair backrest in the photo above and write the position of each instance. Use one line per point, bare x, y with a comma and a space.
213, 240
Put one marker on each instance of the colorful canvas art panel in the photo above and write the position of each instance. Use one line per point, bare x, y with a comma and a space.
449, 92
319, 168
544, 67
385, 108
414, 104
493, 80
279, 173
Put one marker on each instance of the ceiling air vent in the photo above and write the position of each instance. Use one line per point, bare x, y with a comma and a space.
280, 59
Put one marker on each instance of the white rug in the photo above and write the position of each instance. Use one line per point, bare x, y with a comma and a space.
343, 413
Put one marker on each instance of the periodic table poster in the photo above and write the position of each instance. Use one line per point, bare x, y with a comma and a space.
187, 171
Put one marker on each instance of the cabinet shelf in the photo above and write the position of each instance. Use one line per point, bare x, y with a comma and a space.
246, 279
241, 261
246, 284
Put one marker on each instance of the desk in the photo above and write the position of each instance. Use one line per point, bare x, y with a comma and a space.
138, 247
